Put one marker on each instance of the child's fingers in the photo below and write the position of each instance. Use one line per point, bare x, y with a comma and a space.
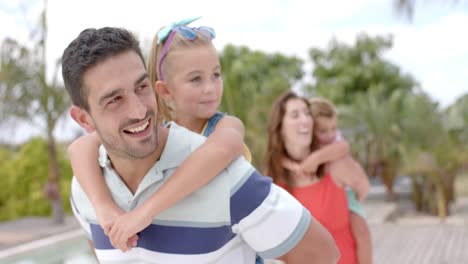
133, 240
122, 242
107, 229
115, 239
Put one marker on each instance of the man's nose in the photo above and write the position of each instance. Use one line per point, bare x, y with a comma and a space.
136, 108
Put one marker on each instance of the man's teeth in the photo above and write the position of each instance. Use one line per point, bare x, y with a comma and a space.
138, 128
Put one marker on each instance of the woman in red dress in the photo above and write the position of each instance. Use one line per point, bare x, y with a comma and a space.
322, 191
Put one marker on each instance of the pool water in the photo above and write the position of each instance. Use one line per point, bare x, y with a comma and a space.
73, 251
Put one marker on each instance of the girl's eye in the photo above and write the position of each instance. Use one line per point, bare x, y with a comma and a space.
196, 79
217, 74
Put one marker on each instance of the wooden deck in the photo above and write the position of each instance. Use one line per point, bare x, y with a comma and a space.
421, 244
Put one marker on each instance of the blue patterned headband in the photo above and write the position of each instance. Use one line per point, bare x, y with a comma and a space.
167, 34
164, 33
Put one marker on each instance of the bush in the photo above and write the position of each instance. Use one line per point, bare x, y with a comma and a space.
23, 176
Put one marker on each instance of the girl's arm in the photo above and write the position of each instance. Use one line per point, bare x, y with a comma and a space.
220, 149
330, 152
83, 154
349, 173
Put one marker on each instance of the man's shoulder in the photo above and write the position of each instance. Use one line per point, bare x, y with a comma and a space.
184, 136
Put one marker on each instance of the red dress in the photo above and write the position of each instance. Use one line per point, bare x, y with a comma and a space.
327, 203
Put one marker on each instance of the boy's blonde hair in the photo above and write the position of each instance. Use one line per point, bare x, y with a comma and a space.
178, 42
321, 107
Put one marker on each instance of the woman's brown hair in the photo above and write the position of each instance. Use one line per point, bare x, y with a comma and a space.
276, 150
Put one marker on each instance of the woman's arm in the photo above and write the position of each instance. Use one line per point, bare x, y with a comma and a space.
220, 149
330, 152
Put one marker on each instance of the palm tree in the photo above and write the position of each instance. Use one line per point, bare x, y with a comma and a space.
373, 125
252, 81
27, 95
431, 155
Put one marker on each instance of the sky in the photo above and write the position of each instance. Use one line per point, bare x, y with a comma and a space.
432, 47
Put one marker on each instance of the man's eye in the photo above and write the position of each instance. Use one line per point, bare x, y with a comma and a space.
115, 100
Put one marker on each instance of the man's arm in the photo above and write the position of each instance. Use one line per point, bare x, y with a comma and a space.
274, 223
317, 246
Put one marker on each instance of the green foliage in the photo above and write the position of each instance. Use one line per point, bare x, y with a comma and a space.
343, 71
26, 94
457, 119
252, 81
23, 175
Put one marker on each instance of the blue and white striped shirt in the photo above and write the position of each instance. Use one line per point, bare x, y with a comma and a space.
237, 215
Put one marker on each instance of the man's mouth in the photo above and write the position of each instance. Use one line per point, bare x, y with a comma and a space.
139, 129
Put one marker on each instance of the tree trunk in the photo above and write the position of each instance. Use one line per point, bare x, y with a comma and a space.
417, 194
52, 188
441, 203
388, 178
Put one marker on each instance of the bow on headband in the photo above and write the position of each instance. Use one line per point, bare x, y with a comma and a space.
164, 33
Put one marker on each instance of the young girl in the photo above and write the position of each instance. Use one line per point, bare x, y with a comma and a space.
290, 148
326, 133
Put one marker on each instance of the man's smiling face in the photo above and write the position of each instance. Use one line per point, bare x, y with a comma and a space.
122, 106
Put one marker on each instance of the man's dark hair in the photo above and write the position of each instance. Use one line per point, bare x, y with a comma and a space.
91, 47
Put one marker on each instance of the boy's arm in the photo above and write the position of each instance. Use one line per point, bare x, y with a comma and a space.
290, 165
333, 151
220, 149
83, 154
351, 174
359, 181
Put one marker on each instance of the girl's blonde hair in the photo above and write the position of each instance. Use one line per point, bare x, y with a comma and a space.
321, 107
178, 42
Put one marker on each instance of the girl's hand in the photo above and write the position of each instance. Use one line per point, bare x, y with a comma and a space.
106, 214
123, 233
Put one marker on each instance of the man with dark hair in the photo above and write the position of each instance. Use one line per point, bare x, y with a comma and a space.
231, 219
89, 50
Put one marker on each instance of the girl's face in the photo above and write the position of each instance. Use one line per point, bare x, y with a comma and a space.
195, 82
325, 130
297, 124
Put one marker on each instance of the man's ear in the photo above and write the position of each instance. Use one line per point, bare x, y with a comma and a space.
162, 90
82, 118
